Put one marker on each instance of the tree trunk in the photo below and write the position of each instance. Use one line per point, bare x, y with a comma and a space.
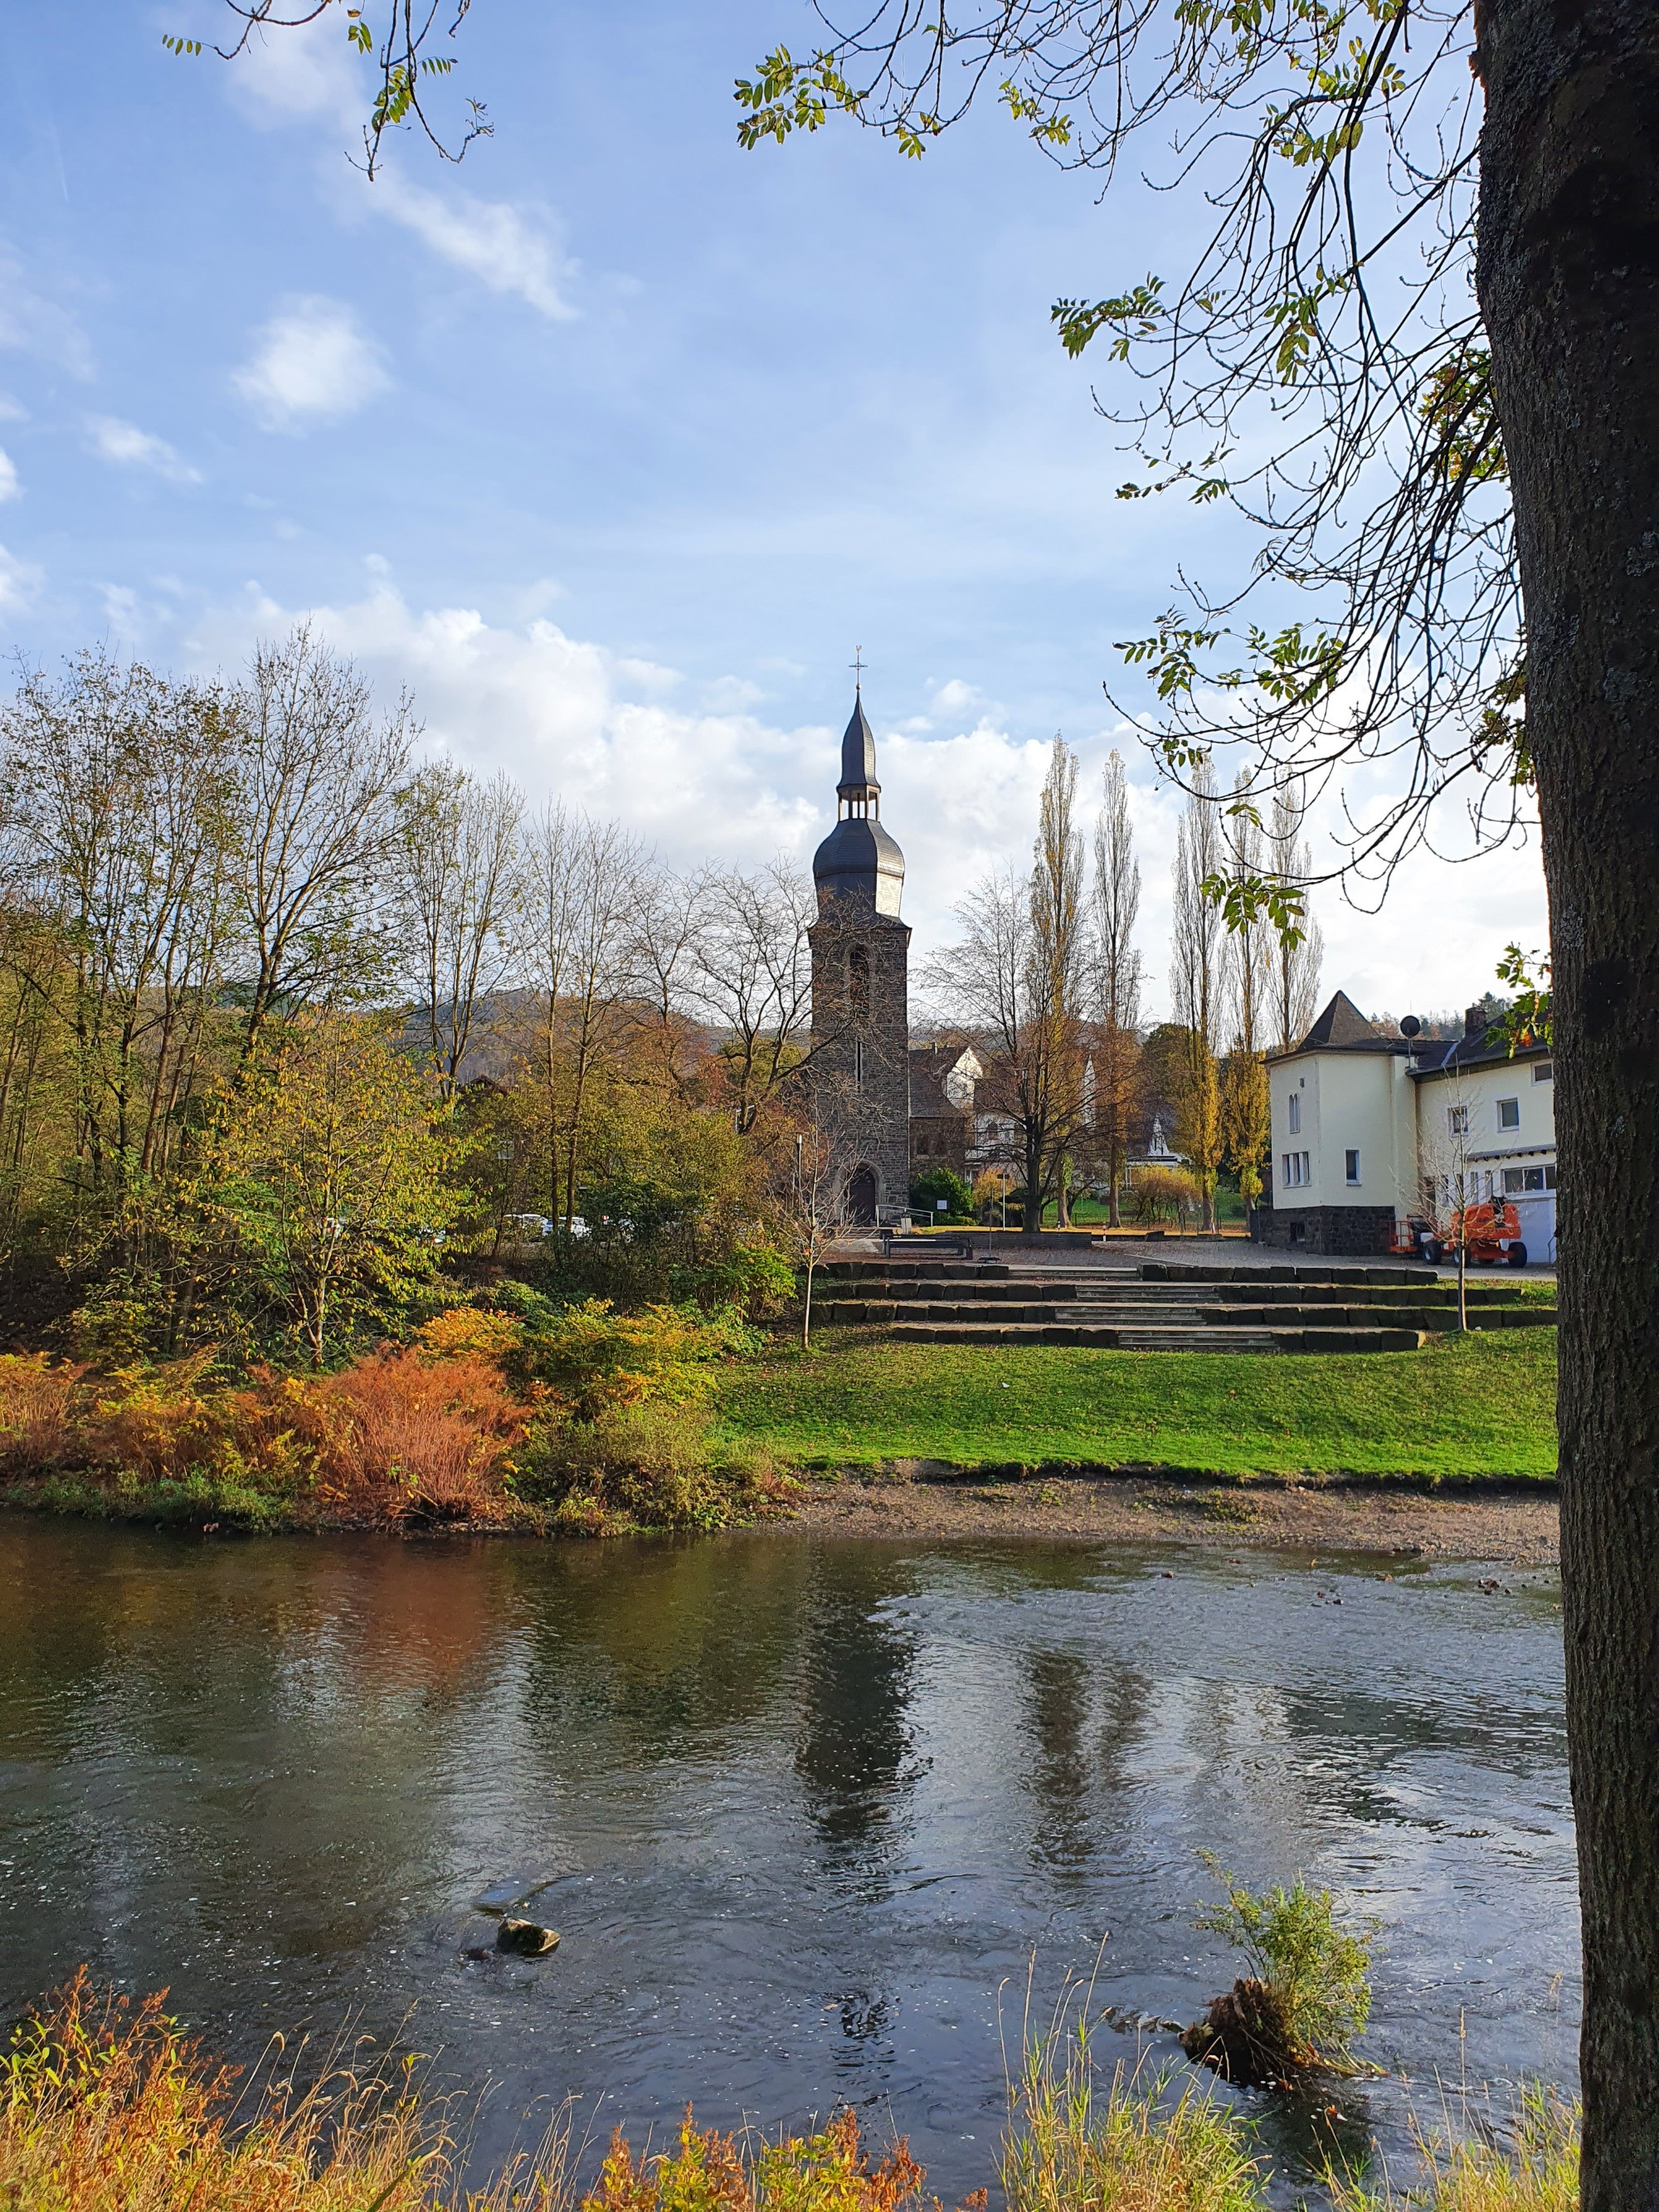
1568, 276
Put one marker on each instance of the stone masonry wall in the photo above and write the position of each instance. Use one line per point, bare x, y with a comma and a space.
861, 1040
1353, 1230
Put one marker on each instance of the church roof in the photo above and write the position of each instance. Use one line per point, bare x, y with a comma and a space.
859, 867
858, 752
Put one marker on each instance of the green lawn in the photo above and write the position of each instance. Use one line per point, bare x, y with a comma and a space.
1483, 1405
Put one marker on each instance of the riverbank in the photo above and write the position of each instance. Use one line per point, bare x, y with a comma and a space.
1508, 1524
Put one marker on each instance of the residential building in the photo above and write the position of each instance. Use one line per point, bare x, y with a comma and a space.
1370, 1129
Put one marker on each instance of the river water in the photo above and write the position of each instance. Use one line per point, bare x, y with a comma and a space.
809, 1807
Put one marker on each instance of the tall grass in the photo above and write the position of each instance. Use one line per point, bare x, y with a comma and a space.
1467, 2166
105, 2107
1132, 2142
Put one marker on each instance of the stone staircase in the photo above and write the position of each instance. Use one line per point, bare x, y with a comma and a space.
1163, 1305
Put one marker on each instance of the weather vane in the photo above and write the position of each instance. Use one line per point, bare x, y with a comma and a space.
857, 665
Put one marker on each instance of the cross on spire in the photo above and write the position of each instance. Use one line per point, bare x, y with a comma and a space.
858, 664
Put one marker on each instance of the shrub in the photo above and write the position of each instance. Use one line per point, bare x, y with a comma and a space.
398, 1437
38, 1404
643, 1466
756, 1280
1134, 2146
943, 1182
1165, 1193
1308, 1993
593, 1360
709, 2173
992, 1186
470, 1333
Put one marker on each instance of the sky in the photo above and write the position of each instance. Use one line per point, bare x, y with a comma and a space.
616, 442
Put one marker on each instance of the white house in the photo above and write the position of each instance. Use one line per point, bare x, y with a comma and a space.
1365, 1124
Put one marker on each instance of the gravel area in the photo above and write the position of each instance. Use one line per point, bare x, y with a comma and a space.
1513, 1525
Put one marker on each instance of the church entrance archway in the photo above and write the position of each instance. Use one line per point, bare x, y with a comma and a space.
862, 1197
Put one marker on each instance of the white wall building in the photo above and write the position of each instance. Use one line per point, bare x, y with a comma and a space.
1366, 1126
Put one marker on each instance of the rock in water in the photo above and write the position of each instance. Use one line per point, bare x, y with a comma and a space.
526, 1937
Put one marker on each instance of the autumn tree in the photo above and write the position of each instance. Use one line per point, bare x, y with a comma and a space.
330, 1170
1248, 962
1058, 971
1117, 979
1195, 986
117, 831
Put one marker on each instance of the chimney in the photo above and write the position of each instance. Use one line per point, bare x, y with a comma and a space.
1476, 1022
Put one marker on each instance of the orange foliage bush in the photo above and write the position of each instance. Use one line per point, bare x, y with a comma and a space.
397, 1436
37, 1411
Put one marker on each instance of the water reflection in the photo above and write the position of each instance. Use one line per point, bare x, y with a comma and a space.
803, 1805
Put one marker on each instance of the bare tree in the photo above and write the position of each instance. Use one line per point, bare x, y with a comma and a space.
316, 781
1118, 978
818, 1211
752, 977
1295, 954
666, 916
457, 854
578, 880
1196, 983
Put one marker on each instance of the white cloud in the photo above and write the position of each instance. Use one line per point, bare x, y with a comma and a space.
312, 364
125, 445
34, 325
308, 70
19, 581
699, 775
491, 240
10, 486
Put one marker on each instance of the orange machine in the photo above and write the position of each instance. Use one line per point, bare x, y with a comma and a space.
1492, 1229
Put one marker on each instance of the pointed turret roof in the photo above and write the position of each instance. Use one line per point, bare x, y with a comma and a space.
858, 753
859, 868
1342, 1028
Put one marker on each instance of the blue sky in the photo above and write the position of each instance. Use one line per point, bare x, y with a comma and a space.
613, 443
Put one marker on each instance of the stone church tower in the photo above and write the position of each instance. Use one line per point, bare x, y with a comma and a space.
860, 988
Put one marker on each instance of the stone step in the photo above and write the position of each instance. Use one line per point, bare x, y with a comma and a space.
1143, 1338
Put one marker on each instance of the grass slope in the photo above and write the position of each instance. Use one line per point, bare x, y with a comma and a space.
1482, 1404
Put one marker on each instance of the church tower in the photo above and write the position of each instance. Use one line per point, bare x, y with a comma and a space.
860, 988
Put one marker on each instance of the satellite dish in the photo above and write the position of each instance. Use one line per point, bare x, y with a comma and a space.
1410, 1027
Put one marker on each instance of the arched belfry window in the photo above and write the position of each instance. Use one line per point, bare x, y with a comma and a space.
857, 982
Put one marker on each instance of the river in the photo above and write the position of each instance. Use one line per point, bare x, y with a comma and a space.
809, 1807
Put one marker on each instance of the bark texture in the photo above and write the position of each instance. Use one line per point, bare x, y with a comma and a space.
1569, 281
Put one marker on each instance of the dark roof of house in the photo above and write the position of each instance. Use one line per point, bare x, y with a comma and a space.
929, 1066
1476, 1048
1343, 1028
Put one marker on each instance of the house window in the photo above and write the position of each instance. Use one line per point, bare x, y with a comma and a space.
1457, 1120
1295, 1115
1296, 1169
1353, 1159
1525, 1179
1543, 1070
858, 1063
1508, 1113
